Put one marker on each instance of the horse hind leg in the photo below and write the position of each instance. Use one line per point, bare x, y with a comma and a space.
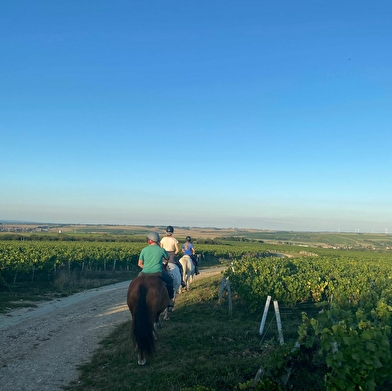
188, 280
141, 360
167, 312
169, 309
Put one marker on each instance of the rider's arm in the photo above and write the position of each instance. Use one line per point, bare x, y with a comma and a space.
140, 263
176, 252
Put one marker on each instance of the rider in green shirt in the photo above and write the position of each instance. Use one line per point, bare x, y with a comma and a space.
151, 261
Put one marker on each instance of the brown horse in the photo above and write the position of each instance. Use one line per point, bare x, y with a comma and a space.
147, 298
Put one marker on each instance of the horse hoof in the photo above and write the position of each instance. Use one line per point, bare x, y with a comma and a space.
142, 362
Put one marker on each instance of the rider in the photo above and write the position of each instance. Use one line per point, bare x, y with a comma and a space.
170, 244
188, 249
150, 260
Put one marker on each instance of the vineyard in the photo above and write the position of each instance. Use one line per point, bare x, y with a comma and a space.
353, 295
345, 331
34, 260
37, 260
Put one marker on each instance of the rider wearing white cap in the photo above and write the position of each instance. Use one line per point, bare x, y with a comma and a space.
170, 244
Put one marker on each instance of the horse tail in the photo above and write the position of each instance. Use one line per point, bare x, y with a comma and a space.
143, 328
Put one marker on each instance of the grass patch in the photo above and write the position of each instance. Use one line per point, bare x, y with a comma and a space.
201, 346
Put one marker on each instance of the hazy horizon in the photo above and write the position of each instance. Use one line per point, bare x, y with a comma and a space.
24, 222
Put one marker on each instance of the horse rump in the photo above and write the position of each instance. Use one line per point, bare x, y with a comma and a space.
147, 298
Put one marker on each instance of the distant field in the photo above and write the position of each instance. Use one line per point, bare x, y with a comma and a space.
119, 229
346, 240
369, 241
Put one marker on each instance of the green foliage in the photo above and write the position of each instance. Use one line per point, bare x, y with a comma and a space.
48, 258
347, 281
355, 345
3, 284
352, 332
262, 385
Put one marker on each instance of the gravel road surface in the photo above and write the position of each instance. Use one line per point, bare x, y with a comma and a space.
41, 348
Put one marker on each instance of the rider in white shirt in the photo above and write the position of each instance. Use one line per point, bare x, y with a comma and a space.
170, 244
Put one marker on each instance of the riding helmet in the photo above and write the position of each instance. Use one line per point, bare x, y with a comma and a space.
188, 239
153, 236
169, 229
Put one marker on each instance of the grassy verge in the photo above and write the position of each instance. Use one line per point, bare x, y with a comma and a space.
200, 348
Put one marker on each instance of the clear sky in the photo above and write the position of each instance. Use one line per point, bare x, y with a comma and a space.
250, 114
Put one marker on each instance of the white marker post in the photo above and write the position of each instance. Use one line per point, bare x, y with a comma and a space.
278, 322
225, 286
262, 324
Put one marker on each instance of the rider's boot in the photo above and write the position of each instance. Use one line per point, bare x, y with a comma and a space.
181, 274
170, 290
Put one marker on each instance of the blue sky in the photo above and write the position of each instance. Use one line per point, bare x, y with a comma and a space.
251, 114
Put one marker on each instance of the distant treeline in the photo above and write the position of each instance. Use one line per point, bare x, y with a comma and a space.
95, 238
73, 238
66, 237
239, 239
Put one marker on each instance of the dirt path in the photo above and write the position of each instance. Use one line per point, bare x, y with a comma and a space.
41, 348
